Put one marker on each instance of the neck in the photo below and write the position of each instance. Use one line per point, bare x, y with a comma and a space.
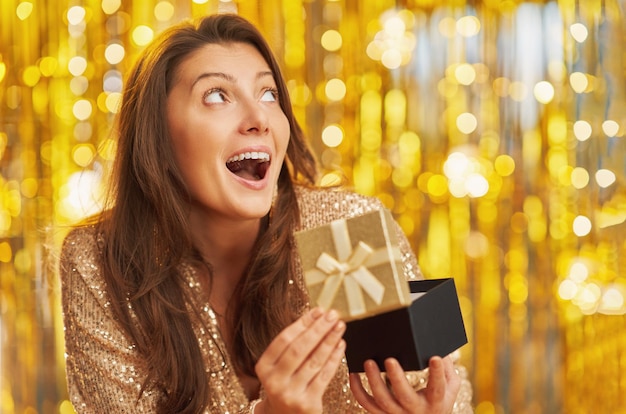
227, 245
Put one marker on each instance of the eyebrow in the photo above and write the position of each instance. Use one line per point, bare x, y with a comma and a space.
228, 77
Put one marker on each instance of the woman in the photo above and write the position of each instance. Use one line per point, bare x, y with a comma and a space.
185, 294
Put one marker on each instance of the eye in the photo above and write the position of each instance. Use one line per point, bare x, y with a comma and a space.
270, 95
214, 96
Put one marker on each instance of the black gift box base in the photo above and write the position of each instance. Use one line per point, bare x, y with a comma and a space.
431, 326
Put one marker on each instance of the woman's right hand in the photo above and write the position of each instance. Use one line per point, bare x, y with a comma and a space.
300, 362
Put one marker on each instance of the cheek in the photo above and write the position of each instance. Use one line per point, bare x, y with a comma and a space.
283, 133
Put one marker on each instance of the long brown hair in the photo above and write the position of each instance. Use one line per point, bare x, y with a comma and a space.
147, 233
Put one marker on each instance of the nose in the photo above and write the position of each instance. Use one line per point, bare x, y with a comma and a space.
255, 118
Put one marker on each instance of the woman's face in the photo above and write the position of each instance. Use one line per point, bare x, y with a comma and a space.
228, 130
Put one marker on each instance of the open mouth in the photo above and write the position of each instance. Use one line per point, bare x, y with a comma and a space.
249, 165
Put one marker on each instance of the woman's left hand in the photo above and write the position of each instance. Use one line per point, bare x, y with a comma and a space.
399, 396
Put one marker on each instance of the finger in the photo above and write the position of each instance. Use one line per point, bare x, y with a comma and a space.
436, 388
298, 350
277, 347
362, 396
452, 377
402, 390
318, 384
320, 355
383, 397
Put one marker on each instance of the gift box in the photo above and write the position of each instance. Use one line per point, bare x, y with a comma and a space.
431, 326
354, 266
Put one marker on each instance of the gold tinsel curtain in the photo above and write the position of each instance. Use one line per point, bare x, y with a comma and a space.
494, 130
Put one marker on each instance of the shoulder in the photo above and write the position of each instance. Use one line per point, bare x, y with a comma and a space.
81, 257
81, 244
320, 205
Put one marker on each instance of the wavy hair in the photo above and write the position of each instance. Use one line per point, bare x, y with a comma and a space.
146, 229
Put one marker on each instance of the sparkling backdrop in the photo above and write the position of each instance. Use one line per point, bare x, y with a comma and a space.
494, 130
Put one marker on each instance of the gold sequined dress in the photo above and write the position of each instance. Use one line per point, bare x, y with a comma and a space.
104, 370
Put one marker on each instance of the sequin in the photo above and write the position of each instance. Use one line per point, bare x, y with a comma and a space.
105, 371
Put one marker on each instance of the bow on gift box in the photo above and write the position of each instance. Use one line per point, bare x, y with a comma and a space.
350, 269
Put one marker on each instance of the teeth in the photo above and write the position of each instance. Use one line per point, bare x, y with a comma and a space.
263, 156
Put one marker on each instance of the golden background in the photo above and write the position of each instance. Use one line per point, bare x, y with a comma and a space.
495, 131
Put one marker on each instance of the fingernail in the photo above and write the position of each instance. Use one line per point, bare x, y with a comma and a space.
340, 326
316, 312
332, 315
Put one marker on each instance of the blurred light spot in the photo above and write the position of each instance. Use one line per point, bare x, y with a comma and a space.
581, 226
83, 131
409, 143
518, 91
82, 109
501, 87
544, 92
113, 101
79, 85
605, 177
582, 130
567, 289
23, 10
300, 94
83, 191
394, 26
333, 64
330, 179
31, 75
83, 154
335, 89
332, 136
6, 252
518, 289
112, 81
447, 27
580, 178
77, 65
142, 35
610, 128
66, 407
76, 15
557, 70
578, 272
468, 26
164, 11
579, 32
477, 185
395, 108
22, 261
402, 177
504, 165
476, 245
466, 123
47, 65
579, 82
114, 53
465, 74
111, 6
457, 166
107, 149
331, 40
612, 299
437, 185
29, 187
391, 59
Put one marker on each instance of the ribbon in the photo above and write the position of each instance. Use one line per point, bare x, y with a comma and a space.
350, 268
